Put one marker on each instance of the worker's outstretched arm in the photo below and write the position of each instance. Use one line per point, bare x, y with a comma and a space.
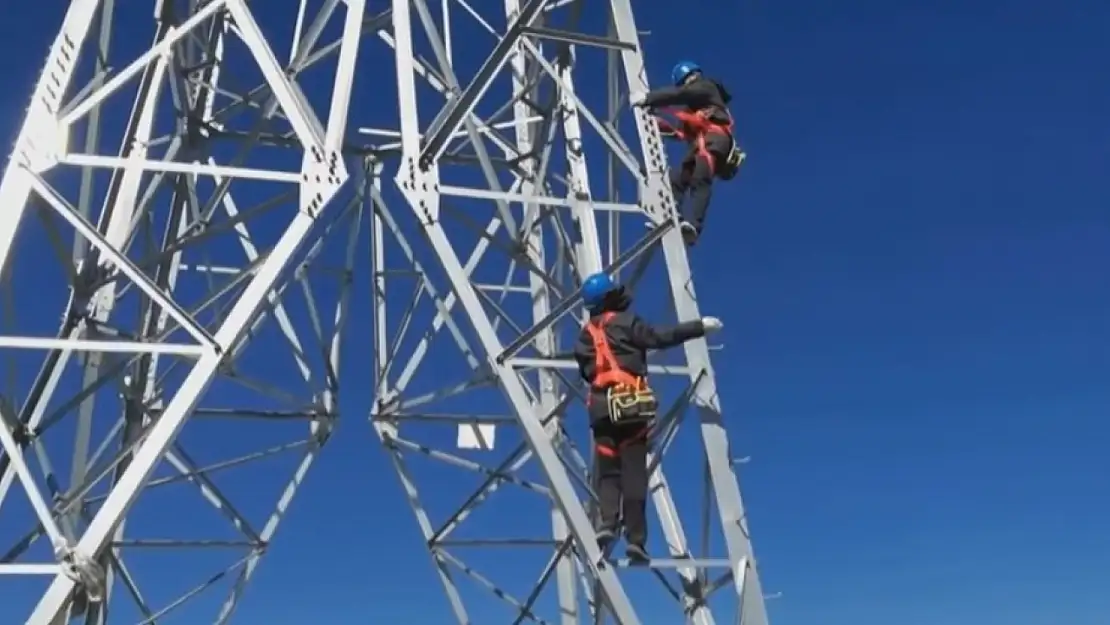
698, 94
647, 336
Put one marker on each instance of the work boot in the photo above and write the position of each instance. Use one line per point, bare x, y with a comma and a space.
689, 232
605, 538
637, 555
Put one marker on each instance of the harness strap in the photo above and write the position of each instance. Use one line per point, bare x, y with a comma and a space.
610, 451
697, 124
607, 372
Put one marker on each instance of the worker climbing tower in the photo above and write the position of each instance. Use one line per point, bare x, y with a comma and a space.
204, 237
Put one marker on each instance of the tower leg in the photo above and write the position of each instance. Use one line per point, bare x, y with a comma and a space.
660, 206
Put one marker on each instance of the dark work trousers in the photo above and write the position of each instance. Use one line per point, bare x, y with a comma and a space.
620, 465
694, 176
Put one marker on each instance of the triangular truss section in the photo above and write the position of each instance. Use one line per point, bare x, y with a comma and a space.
162, 194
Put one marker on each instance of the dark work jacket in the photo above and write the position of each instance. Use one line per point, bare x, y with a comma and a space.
630, 338
702, 93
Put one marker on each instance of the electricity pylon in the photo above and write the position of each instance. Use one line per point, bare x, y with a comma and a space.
210, 271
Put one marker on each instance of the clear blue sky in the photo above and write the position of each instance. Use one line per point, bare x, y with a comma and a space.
912, 271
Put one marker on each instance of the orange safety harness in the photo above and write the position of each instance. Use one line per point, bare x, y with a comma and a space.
608, 375
607, 372
695, 127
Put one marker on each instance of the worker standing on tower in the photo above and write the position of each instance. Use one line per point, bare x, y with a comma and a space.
705, 123
612, 357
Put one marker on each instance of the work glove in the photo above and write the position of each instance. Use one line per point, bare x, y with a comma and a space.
636, 100
711, 324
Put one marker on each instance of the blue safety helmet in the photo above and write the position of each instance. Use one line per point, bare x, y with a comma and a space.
595, 288
682, 71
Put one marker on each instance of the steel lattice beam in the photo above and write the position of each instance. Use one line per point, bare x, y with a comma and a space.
207, 210
170, 279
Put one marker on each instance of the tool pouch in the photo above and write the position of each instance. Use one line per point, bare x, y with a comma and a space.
730, 165
632, 404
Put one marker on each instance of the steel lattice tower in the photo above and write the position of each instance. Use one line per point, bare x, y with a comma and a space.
195, 235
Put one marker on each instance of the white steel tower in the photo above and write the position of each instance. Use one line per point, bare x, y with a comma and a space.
200, 237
